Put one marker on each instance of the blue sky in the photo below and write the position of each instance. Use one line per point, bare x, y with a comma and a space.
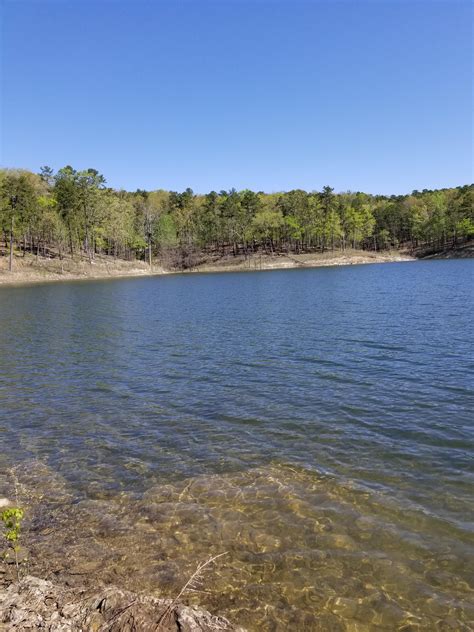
269, 95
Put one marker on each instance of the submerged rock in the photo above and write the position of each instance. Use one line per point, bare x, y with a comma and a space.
34, 603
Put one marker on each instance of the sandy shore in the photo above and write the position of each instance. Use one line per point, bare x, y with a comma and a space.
282, 261
28, 269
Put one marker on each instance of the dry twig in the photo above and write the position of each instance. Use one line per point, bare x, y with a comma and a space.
188, 586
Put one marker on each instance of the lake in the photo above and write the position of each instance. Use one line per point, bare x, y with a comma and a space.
315, 425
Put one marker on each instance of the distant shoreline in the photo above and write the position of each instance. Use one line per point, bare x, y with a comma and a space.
28, 270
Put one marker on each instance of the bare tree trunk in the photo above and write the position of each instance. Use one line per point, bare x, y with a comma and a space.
87, 247
71, 243
10, 261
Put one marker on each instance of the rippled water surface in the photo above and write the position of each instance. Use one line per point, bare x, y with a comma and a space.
315, 424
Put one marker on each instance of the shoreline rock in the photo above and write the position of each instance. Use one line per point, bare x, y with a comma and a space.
35, 603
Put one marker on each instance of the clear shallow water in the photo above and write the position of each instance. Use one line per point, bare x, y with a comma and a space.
316, 424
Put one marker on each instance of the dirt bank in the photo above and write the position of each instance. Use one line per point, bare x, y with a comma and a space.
460, 251
29, 269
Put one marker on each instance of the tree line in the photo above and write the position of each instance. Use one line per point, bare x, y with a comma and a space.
74, 213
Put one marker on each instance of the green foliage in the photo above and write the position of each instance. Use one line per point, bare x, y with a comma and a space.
294, 228
18, 197
165, 232
11, 519
465, 228
73, 210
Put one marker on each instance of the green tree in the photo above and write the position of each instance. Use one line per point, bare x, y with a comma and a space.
266, 226
330, 225
88, 183
67, 197
17, 197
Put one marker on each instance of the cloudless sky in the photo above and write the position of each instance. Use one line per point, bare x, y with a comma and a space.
270, 95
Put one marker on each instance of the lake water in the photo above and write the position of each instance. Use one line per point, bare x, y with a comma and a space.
314, 424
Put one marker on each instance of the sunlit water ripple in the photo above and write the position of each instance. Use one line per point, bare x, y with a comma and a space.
316, 424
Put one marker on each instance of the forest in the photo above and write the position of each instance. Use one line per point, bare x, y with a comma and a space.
75, 214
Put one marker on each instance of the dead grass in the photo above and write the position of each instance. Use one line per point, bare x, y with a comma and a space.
193, 584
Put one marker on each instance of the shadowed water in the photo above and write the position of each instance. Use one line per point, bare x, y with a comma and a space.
315, 424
